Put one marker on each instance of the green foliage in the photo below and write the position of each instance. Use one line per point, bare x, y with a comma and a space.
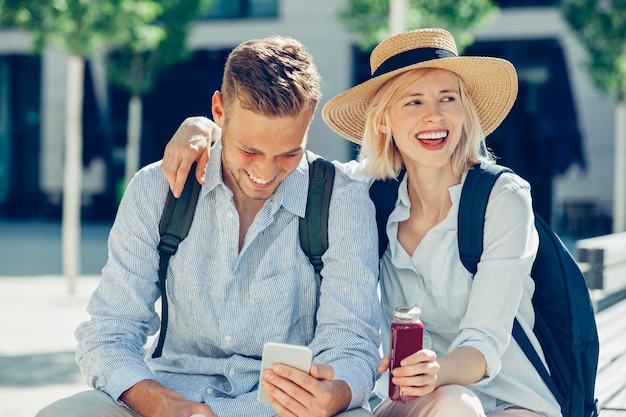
601, 27
76, 26
367, 18
145, 35
155, 43
370, 18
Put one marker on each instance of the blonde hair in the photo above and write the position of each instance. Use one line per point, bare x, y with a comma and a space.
275, 77
383, 156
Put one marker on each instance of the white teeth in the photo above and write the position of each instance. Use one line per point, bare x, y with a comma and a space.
432, 135
257, 180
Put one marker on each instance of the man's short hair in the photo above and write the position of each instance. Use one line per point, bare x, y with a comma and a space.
273, 77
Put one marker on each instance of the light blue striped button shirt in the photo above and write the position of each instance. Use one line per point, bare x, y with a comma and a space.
225, 304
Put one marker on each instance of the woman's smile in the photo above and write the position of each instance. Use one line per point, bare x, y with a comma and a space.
433, 139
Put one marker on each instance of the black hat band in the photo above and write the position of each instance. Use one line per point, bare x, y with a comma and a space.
411, 57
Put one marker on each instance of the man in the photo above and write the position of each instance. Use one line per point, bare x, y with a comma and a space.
240, 278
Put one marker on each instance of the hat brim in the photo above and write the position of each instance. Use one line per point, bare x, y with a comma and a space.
490, 82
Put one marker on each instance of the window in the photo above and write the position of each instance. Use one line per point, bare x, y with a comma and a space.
243, 9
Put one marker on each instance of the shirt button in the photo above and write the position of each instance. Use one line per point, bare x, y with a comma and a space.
230, 215
427, 342
209, 391
231, 372
227, 339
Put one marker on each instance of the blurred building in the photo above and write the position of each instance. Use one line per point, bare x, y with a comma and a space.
559, 135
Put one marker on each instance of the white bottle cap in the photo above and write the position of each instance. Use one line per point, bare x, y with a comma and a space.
407, 313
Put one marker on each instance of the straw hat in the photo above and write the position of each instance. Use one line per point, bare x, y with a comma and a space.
490, 82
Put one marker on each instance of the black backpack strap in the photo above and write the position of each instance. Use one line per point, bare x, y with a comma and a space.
173, 228
529, 350
471, 219
384, 194
314, 224
472, 207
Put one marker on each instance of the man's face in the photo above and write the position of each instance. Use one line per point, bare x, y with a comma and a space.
258, 152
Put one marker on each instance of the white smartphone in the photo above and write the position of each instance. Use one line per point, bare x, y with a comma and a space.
298, 357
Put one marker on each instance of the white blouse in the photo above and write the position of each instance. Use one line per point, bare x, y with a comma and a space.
460, 311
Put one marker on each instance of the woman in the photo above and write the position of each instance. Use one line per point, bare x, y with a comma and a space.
428, 110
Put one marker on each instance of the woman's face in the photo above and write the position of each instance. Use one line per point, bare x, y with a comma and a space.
426, 117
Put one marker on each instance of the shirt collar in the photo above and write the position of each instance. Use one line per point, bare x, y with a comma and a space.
294, 189
454, 191
214, 169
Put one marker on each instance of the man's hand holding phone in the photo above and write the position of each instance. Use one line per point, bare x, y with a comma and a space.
294, 387
298, 357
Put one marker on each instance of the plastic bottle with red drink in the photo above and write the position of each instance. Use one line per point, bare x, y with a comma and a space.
407, 335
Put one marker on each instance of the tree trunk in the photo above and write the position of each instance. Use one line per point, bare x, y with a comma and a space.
619, 190
72, 173
133, 140
398, 10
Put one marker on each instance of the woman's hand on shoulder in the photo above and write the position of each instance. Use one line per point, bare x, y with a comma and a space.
191, 142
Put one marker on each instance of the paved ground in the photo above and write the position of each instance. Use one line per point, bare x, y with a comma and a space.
39, 315
36, 342
34, 248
